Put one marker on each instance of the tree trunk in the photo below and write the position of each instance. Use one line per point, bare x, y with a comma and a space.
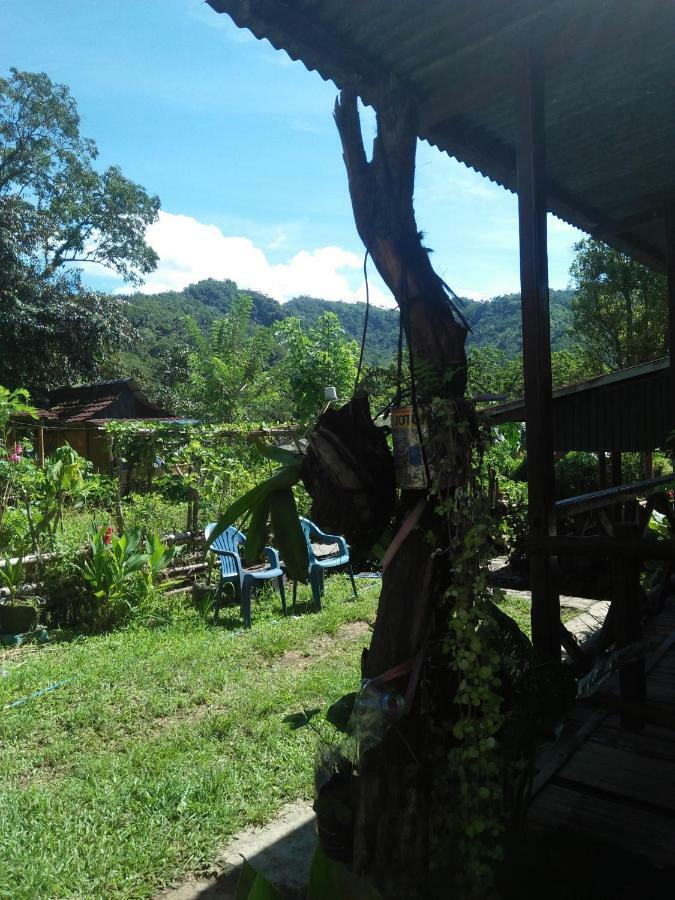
392, 834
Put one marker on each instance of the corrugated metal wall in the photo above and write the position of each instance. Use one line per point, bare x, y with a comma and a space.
626, 415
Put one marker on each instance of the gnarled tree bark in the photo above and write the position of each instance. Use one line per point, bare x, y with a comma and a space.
392, 835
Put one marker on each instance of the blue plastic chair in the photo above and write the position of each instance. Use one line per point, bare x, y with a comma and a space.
319, 564
232, 571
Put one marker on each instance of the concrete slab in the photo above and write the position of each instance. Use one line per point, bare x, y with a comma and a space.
281, 851
589, 622
582, 603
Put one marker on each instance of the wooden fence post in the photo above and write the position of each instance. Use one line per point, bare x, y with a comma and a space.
628, 629
41, 446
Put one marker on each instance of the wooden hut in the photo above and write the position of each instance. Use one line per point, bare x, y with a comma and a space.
75, 415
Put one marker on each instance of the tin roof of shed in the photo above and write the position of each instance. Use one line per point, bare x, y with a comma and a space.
88, 402
610, 90
624, 410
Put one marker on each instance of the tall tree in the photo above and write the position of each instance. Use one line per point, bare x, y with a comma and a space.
619, 311
57, 211
52, 332
403, 779
69, 212
316, 358
229, 370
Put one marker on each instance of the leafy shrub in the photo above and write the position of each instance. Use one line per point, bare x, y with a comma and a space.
99, 491
576, 473
513, 521
152, 513
121, 571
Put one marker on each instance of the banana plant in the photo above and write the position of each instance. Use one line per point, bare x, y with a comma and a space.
112, 562
159, 556
11, 575
272, 500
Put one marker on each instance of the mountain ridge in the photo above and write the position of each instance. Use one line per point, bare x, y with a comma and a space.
162, 342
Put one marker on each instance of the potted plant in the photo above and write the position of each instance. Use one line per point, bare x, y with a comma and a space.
16, 616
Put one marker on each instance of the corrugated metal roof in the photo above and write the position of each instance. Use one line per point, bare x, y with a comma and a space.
625, 410
610, 89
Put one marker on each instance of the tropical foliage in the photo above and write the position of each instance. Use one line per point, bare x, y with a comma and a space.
619, 309
57, 212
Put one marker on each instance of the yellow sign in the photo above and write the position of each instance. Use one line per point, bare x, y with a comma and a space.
408, 459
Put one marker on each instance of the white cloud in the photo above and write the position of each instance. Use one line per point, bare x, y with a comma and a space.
190, 251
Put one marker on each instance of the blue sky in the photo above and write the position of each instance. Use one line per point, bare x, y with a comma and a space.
239, 143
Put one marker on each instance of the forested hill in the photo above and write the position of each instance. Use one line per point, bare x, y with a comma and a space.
158, 317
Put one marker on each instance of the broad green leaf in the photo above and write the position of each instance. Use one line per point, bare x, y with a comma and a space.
254, 886
331, 880
257, 531
280, 455
288, 534
284, 477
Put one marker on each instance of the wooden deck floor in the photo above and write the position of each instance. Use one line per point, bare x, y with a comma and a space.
613, 785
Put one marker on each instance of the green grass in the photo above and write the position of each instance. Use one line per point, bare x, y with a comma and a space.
164, 743
519, 609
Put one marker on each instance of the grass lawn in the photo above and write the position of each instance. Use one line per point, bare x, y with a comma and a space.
519, 609
165, 742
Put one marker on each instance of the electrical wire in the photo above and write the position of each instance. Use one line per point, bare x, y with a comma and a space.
365, 322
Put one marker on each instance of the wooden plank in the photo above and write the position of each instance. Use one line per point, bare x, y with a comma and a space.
643, 832
531, 182
658, 710
582, 725
662, 693
626, 773
555, 758
652, 743
574, 506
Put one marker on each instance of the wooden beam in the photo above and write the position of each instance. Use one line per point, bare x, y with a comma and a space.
531, 175
574, 506
601, 547
619, 226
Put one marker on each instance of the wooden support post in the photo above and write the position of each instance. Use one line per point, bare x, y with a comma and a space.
616, 467
628, 630
646, 465
531, 178
40, 445
670, 289
616, 480
602, 470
